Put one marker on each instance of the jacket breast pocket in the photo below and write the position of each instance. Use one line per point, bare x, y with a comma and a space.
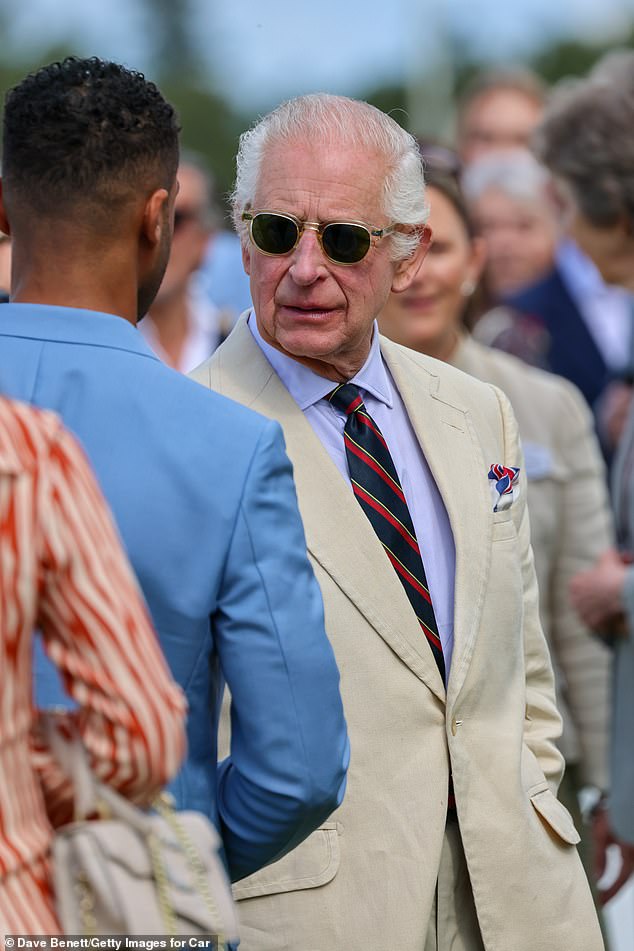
314, 862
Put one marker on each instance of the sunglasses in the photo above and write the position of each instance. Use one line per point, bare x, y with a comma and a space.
343, 242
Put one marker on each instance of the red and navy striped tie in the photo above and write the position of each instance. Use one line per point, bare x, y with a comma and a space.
376, 485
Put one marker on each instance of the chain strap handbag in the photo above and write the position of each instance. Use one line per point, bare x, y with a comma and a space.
133, 871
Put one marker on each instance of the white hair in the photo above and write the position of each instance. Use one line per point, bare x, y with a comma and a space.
515, 172
336, 121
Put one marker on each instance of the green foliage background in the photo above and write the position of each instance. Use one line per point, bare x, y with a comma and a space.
212, 127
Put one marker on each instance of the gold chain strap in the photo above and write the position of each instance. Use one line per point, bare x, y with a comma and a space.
86, 901
162, 885
164, 808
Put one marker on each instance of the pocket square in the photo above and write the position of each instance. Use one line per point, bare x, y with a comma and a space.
504, 485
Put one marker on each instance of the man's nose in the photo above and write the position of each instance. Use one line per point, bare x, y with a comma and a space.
308, 262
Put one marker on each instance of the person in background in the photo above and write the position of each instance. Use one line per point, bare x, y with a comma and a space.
556, 313
183, 327
201, 489
450, 835
587, 141
64, 572
507, 193
499, 109
223, 279
567, 498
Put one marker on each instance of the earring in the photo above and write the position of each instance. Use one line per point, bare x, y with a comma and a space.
467, 287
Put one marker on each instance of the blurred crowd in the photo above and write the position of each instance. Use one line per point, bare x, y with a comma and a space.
528, 284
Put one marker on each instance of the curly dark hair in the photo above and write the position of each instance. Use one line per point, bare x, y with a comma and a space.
86, 130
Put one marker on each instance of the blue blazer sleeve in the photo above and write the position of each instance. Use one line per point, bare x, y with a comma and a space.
289, 746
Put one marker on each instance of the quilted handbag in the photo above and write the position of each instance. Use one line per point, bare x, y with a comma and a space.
132, 871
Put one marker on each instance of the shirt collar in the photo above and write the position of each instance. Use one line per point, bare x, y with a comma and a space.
308, 388
72, 325
579, 272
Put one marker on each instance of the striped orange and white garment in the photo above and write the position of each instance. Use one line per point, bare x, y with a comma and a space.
62, 570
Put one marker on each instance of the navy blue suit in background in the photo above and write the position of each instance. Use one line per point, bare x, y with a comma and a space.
571, 351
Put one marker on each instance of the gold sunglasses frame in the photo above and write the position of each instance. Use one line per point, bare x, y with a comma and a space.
318, 228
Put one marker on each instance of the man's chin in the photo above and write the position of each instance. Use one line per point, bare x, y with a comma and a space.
312, 346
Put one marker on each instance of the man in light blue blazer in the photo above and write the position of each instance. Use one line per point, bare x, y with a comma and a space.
201, 488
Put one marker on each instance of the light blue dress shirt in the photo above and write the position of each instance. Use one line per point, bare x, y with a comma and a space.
606, 310
384, 404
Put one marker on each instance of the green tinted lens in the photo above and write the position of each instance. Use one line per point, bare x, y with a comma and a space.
344, 243
274, 234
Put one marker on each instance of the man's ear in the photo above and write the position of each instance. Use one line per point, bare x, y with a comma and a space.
246, 258
5, 227
155, 216
407, 269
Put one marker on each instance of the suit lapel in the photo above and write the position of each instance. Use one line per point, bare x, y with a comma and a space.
453, 453
338, 534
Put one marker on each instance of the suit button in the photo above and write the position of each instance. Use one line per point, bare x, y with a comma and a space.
454, 726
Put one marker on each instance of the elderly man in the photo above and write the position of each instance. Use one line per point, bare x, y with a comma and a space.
209, 518
411, 484
507, 194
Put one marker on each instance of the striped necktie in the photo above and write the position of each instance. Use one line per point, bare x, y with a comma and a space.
378, 491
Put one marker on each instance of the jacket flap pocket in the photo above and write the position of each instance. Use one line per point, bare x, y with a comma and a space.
556, 815
314, 862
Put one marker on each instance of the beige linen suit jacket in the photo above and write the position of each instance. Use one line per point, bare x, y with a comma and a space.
366, 879
571, 526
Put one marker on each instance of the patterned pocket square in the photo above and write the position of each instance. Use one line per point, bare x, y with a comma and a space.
504, 485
